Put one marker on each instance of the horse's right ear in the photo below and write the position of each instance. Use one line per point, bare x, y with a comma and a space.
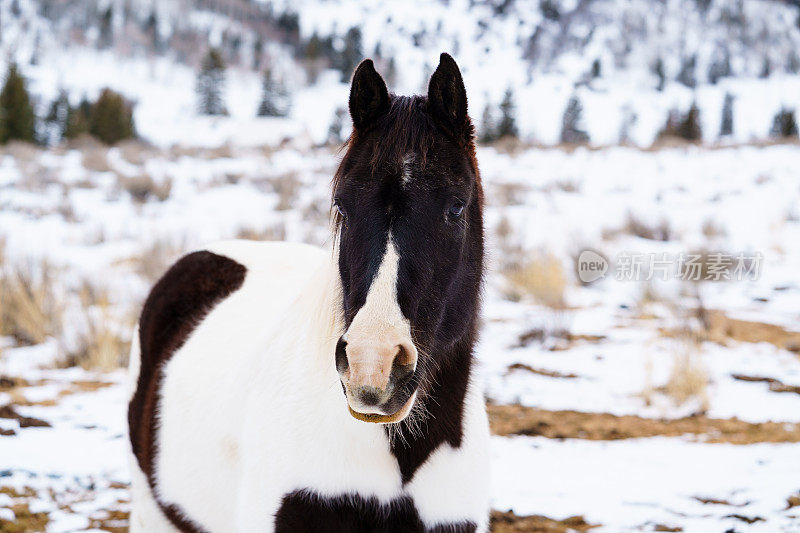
369, 99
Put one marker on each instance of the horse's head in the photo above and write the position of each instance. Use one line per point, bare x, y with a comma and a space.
408, 218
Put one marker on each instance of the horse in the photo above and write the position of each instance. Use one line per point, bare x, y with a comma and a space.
283, 387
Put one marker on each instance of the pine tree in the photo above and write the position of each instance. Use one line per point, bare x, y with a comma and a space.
726, 125
488, 131
275, 101
720, 67
106, 29
57, 117
351, 54
572, 123
210, 84
766, 69
549, 10
78, 120
111, 118
16, 113
784, 124
658, 70
337, 124
689, 127
596, 69
687, 74
793, 62
507, 125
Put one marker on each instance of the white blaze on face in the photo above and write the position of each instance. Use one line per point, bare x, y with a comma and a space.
379, 332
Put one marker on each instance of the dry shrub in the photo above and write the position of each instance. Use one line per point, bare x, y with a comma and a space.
712, 230
510, 253
639, 228
95, 158
504, 194
542, 278
22, 152
276, 232
286, 186
99, 345
143, 187
30, 309
135, 151
156, 259
688, 379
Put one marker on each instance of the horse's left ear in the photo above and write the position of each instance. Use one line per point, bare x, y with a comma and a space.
369, 99
447, 99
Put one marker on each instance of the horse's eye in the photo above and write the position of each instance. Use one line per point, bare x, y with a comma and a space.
456, 209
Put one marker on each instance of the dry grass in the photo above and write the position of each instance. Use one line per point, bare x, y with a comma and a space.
275, 232
510, 254
654, 232
135, 151
156, 259
286, 186
712, 230
505, 194
95, 158
542, 278
688, 380
142, 187
30, 310
99, 346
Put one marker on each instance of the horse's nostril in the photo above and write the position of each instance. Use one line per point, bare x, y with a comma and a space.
369, 395
341, 356
403, 364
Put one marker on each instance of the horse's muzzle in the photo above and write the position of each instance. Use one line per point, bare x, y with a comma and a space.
379, 379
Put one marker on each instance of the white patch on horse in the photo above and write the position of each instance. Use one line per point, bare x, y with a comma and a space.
379, 332
405, 177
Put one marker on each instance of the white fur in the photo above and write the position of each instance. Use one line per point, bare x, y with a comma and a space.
251, 409
376, 331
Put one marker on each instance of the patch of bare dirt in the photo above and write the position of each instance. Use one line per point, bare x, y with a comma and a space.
509, 522
8, 411
793, 501
541, 371
775, 385
721, 328
521, 420
746, 519
718, 501
115, 521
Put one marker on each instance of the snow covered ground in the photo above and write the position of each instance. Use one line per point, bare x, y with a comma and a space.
613, 347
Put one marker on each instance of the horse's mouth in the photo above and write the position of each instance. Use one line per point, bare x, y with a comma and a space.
376, 418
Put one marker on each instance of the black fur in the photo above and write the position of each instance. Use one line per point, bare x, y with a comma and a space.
441, 255
174, 308
304, 511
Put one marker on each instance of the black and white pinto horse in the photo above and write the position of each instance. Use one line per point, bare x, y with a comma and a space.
237, 417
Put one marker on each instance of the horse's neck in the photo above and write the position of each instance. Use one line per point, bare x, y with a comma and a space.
441, 416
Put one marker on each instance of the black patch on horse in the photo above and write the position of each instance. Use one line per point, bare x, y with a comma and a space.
175, 307
304, 511
410, 172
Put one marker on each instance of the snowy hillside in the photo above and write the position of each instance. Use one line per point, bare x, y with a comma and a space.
628, 62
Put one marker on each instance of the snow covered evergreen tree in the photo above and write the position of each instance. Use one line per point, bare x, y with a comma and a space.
210, 85
784, 124
275, 99
507, 126
572, 131
726, 124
